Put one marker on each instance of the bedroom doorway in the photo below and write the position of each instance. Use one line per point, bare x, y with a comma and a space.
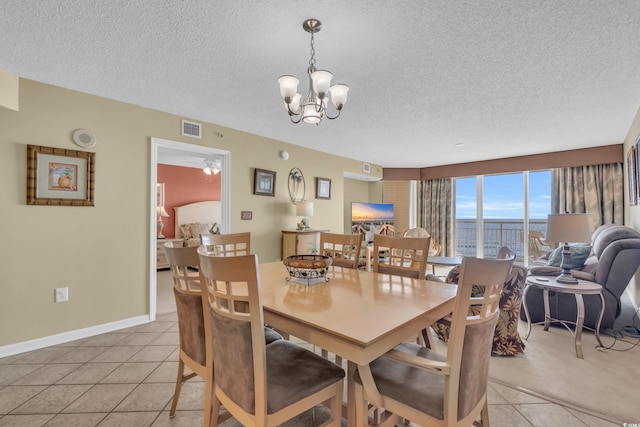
176, 153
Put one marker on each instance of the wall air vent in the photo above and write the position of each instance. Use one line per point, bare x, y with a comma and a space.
366, 167
191, 129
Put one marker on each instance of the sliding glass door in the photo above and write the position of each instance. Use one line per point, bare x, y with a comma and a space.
501, 210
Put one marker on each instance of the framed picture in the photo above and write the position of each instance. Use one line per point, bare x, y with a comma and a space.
637, 155
264, 182
60, 177
632, 165
160, 194
323, 188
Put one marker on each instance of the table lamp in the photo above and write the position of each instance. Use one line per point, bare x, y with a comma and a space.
568, 228
161, 213
304, 209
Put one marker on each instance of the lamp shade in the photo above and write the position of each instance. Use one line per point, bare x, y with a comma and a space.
339, 94
568, 228
288, 86
161, 211
304, 209
321, 81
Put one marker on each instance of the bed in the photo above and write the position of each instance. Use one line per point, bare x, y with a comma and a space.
197, 218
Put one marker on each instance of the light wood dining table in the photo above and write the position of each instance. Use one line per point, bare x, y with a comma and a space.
357, 315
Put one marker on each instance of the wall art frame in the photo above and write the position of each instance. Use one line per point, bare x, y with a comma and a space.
264, 182
637, 154
60, 177
632, 165
323, 188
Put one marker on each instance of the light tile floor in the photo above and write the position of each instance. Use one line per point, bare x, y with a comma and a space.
126, 378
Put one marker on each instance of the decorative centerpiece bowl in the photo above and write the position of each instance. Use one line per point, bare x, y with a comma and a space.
308, 267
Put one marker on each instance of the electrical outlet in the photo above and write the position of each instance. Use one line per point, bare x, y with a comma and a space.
62, 294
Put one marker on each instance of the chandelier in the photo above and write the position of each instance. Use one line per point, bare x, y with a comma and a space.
313, 107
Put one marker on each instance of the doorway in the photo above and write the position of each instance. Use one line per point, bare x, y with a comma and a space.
180, 154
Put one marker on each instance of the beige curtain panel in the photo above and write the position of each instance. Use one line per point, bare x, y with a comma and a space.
436, 211
597, 190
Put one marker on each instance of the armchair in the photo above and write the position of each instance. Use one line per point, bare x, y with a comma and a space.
614, 259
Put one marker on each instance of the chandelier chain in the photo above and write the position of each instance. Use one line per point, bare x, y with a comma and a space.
312, 61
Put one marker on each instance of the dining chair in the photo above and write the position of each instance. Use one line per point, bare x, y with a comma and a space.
430, 389
227, 244
402, 256
184, 264
344, 249
234, 244
259, 384
442, 326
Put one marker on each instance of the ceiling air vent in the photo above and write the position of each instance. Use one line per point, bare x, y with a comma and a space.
192, 129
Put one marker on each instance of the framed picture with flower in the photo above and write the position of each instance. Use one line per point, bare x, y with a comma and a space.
60, 177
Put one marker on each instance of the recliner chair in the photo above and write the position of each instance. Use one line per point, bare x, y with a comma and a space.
615, 258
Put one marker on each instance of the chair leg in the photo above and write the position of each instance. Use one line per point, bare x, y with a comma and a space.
484, 416
176, 393
336, 405
208, 401
215, 412
428, 338
361, 406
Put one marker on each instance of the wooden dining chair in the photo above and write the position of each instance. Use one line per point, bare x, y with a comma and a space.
235, 244
344, 249
258, 384
227, 244
402, 256
418, 384
184, 264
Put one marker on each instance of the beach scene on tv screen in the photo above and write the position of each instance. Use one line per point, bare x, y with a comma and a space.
372, 218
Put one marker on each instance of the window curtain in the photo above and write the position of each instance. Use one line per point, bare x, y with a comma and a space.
597, 190
436, 212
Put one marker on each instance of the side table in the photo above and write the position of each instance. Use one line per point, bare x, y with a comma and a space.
583, 287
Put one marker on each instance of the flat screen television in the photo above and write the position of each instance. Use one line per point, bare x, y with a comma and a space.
372, 218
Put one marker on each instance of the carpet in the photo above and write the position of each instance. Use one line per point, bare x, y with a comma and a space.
605, 381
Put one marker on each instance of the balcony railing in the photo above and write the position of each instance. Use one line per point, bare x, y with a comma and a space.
497, 233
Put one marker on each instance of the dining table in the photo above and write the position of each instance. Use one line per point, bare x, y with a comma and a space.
355, 314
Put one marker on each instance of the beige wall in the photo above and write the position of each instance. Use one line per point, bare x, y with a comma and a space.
632, 213
9, 91
101, 253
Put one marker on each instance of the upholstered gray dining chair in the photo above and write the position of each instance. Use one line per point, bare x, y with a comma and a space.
259, 384
430, 389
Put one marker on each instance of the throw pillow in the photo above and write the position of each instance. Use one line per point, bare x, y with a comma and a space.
579, 254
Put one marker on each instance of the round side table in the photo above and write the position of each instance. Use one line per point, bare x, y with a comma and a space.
583, 287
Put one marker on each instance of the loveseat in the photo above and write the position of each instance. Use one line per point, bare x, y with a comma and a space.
614, 258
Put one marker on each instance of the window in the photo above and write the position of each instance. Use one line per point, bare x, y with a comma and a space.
495, 210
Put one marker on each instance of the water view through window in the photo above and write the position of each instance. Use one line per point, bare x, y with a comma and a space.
490, 212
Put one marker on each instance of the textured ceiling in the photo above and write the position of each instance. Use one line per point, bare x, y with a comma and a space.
504, 78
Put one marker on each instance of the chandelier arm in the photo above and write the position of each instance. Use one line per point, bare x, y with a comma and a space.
326, 114
290, 111
295, 121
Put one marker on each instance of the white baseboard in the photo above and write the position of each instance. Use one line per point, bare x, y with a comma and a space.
22, 347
